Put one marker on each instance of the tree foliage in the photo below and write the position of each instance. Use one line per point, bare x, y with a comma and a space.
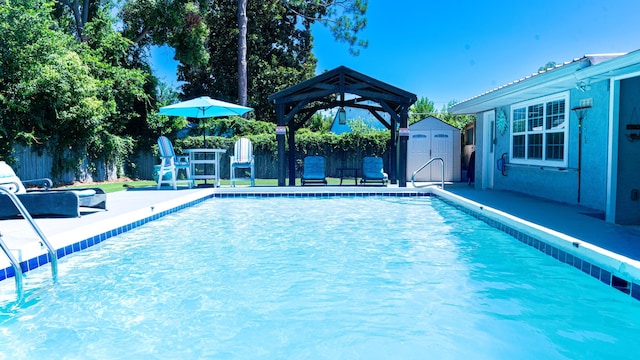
459, 121
177, 23
77, 100
345, 18
278, 54
421, 109
548, 66
76, 82
424, 108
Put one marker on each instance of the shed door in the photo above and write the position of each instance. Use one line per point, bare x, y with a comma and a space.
442, 147
418, 153
427, 144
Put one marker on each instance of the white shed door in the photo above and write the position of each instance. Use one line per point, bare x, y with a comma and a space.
418, 153
425, 145
442, 147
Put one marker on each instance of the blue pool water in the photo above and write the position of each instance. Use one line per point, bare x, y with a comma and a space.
326, 278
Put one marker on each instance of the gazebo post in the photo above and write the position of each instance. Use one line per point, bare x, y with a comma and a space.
292, 154
393, 156
281, 131
403, 137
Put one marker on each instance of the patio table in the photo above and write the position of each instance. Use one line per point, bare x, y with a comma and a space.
205, 164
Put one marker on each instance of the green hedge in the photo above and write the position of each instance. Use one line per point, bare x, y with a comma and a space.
345, 150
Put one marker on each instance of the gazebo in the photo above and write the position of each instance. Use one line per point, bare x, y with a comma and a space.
328, 91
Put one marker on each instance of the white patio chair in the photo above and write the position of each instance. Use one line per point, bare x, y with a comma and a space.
171, 163
242, 159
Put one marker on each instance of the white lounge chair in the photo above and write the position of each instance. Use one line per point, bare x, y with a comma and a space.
242, 159
171, 163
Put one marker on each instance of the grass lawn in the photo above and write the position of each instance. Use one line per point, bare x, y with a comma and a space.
109, 187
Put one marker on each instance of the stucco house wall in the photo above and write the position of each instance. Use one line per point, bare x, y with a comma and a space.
591, 158
563, 184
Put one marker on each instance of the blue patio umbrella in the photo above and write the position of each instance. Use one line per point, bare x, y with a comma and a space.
204, 107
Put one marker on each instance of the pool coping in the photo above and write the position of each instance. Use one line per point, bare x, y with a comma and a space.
617, 271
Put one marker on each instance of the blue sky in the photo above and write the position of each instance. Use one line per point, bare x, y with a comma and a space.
455, 49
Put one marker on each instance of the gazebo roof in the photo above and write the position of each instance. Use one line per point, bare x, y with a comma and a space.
329, 90
340, 81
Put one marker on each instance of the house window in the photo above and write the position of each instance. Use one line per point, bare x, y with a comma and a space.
539, 131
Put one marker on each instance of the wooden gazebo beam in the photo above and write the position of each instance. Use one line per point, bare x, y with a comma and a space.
327, 91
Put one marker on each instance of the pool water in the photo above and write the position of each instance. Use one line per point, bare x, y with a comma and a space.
317, 278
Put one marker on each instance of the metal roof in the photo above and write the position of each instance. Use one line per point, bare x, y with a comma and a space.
576, 73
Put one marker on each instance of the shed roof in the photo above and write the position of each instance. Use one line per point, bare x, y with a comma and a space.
431, 123
577, 73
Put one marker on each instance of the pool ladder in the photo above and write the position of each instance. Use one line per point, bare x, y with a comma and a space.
53, 257
413, 176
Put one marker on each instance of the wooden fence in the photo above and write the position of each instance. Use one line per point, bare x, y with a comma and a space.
32, 165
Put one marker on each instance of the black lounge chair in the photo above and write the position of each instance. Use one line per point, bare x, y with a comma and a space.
45, 202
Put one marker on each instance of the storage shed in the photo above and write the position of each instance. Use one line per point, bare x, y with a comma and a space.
432, 138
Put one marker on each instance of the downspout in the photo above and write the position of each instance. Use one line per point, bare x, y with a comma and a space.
581, 113
579, 154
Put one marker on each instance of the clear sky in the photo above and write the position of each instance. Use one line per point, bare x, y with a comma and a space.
455, 49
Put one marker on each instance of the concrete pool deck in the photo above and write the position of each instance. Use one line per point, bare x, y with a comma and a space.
125, 207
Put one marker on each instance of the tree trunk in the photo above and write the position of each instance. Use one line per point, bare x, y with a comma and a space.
80, 15
242, 52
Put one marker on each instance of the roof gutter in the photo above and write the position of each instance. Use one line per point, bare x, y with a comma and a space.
534, 82
617, 63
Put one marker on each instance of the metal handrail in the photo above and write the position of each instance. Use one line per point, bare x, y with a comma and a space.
25, 214
413, 176
16, 267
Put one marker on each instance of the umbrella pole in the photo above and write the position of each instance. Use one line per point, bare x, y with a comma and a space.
204, 137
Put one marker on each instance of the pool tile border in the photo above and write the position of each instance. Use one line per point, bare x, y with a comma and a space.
319, 194
41, 260
606, 277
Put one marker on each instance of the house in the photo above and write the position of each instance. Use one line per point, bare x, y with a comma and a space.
433, 138
569, 133
359, 117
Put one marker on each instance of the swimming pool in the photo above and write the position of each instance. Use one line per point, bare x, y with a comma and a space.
371, 278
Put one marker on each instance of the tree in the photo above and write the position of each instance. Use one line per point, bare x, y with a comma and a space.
78, 100
548, 66
459, 121
345, 18
421, 109
82, 11
177, 23
48, 97
425, 107
279, 54
242, 52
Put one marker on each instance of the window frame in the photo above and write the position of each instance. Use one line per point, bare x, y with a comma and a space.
529, 132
